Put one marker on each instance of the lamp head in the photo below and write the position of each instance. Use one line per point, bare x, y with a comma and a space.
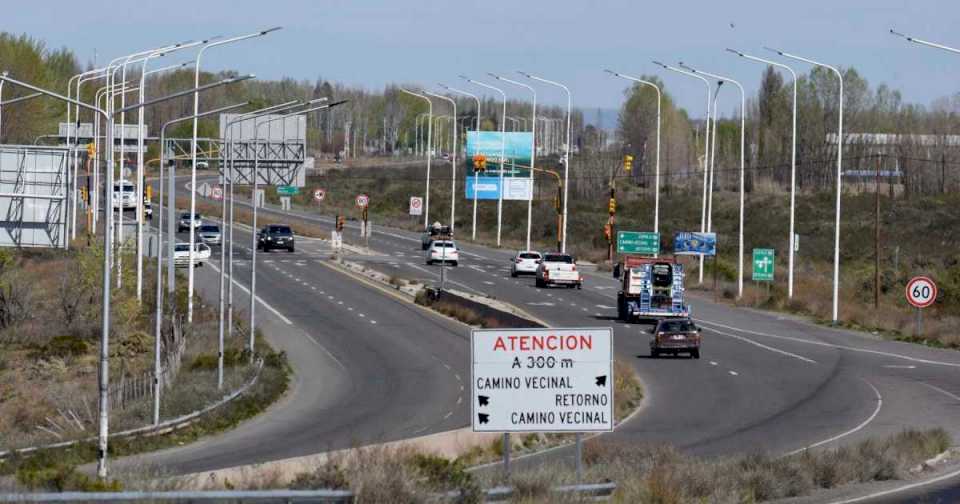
268, 30
738, 53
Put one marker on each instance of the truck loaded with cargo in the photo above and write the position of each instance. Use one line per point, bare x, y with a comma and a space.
650, 288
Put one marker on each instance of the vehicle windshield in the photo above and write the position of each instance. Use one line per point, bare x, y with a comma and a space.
280, 230
126, 188
182, 247
560, 258
677, 326
208, 228
529, 255
187, 216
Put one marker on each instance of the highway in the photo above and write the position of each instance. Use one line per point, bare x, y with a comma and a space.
766, 381
363, 362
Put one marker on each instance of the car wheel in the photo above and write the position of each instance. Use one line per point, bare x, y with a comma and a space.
654, 353
290, 249
513, 273
579, 286
695, 353
455, 263
540, 283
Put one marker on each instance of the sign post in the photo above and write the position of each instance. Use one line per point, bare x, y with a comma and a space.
541, 380
288, 190
416, 205
638, 242
763, 265
319, 194
921, 292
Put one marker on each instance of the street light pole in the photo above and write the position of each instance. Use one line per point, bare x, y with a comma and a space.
171, 239
453, 159
229, 129
253, 229
533, 149
793, 162
475, 172
706, 150
566, 157
103, 405
503, 149
743, 126
426, 201
924, 42
656, 184
836, 239
193, 154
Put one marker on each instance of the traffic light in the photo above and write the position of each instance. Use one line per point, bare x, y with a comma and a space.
149, 193
339, 223
612, 206
627, 163
91, 150
83, 194
608, 231
479, 163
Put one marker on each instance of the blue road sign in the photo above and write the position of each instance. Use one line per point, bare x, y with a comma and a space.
695, 244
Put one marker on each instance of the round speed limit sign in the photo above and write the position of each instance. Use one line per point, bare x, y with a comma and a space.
921, 292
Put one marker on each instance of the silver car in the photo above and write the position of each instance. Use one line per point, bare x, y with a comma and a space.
209, 234
184, 223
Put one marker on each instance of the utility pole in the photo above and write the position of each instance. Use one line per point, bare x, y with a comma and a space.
876, 244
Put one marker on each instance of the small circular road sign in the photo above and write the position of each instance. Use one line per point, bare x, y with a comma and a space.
921, 291
217, 193
362, 200
319, 194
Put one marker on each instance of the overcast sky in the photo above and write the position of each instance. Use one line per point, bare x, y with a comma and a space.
373, 42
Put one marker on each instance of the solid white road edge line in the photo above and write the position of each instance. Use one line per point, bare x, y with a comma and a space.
891, 491
832, 345
761, 345
863, 424
259, 299
938, 389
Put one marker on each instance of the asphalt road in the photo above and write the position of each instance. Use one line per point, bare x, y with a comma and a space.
363, 363
767, 381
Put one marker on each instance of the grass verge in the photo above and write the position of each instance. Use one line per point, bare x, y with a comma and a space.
643, 474
56, 469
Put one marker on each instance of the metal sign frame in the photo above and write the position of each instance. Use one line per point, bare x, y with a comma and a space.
34, 192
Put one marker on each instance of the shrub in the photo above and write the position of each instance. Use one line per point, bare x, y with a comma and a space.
64, 346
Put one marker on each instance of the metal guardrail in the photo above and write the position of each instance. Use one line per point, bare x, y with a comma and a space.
595, 492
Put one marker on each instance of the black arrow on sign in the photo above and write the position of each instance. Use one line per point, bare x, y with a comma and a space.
602, 381
483, 417
484, 400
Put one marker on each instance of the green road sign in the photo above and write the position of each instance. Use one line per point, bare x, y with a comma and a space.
763, 264
286, 190
638, 242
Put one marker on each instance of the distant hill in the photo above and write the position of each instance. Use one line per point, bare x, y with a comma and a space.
603, 118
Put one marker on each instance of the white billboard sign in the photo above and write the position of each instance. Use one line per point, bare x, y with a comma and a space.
542, 380
516, 188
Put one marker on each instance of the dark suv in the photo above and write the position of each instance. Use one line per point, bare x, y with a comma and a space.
677, 335
275, 236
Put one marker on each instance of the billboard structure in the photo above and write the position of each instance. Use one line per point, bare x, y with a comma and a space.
33, 196
280, 144
517, 156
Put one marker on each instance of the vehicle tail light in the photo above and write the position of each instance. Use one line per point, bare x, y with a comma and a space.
574, 268
518, 260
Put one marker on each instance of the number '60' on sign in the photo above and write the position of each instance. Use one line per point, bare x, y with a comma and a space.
921, 292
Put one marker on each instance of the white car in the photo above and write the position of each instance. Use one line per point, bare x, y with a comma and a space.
443, 251
558, 269
181, 254
526, 262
